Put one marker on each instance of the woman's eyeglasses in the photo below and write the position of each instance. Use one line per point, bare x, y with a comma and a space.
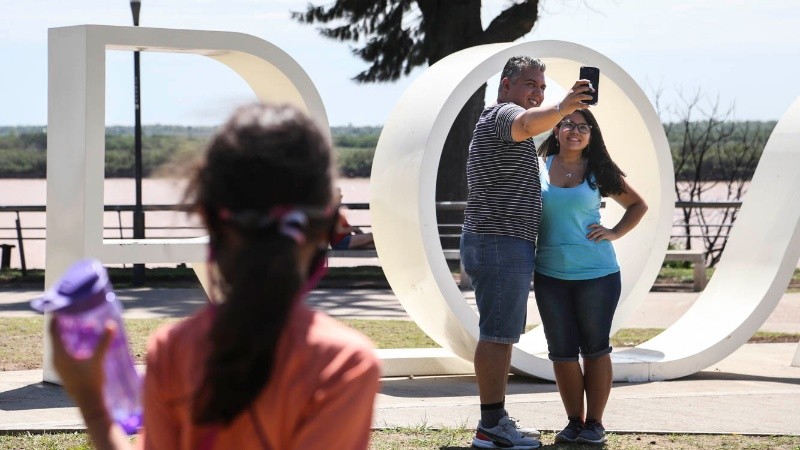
583, 128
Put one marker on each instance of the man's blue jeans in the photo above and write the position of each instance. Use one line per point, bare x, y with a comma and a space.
500, 268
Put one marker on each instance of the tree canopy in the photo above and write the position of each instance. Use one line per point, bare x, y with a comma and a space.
395, 36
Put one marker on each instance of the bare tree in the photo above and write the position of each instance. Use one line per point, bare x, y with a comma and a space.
703, 129
738, 159
710, 149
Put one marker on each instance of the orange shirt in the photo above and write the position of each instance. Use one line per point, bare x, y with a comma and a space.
320, 396
339, 235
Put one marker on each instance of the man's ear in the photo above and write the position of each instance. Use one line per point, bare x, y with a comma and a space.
505, 84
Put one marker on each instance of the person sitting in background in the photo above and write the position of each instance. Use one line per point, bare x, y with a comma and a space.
348, 237
256, 367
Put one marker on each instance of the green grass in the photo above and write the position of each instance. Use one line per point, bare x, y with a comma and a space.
631, 337
182, 276
46, 441
21, 337
673, 274
138, 331
426, 438
156, 277
392, 333
21, 343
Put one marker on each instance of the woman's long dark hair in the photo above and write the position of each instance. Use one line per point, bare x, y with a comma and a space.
602, 172
263, 157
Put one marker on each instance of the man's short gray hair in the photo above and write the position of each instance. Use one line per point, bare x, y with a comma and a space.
516, 64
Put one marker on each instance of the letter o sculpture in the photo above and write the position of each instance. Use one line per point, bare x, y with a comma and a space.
759, 259
404, 180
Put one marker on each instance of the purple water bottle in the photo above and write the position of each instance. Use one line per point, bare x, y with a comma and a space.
82, 302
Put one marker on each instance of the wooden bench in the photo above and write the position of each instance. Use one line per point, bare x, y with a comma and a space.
697, 258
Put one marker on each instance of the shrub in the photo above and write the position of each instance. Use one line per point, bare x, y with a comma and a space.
355, 162
22, 163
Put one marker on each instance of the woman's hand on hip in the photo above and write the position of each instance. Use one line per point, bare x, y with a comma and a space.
598, 233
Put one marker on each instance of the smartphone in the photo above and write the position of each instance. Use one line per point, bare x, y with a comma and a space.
593, 75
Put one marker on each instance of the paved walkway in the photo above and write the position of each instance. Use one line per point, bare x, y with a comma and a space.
659, 309
753, 391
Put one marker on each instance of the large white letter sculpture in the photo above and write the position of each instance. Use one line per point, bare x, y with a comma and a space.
761, 253
76, 132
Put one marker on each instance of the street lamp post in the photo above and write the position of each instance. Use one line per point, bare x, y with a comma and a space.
138, 212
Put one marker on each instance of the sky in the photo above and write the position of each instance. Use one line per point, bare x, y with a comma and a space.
739, 54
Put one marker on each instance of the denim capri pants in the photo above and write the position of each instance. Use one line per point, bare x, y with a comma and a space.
500, 268
577, 314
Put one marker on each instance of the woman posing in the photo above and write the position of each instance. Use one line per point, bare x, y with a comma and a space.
577, 279
256, 368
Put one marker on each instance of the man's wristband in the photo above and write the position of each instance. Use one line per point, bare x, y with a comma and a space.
558, 110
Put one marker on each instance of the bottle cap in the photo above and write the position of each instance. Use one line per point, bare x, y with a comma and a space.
84, 286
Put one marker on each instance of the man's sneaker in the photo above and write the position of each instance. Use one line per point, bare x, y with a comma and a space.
571, 432
526, 431
505, 435
592, 433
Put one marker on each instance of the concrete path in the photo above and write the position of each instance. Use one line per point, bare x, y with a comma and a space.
659, 309
753, 391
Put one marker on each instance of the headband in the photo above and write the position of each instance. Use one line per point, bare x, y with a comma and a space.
290, 221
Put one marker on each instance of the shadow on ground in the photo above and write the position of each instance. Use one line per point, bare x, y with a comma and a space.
35, 396
458, 386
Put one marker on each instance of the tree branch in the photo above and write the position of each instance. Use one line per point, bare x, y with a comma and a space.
511, 24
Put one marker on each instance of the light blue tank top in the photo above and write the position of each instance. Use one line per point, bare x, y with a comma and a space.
562, 250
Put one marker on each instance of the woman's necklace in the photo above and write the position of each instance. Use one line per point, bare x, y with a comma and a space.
568, 172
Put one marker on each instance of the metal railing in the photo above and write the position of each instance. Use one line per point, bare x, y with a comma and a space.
701, 226
20, 233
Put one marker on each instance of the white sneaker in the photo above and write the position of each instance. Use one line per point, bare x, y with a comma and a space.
505, 436
526, 431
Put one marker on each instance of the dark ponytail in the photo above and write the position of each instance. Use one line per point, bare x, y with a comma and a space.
258, 296
264, 157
